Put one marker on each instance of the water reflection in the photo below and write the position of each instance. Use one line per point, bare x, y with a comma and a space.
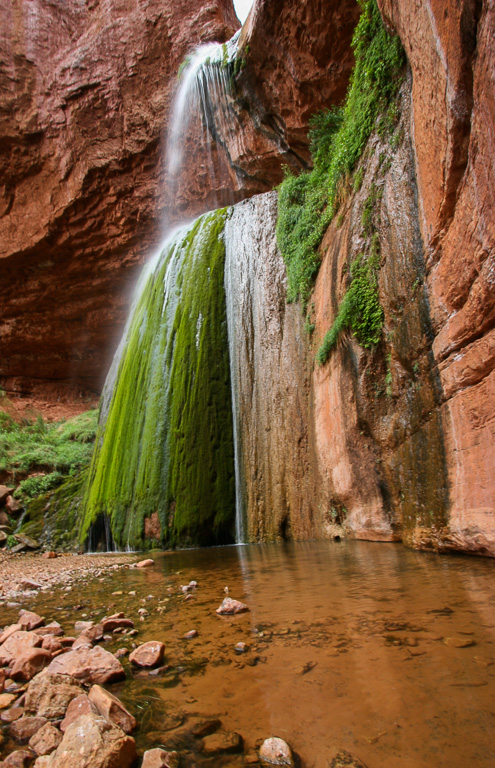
368, 647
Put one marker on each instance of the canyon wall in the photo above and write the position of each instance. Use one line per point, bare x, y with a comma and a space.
84, 93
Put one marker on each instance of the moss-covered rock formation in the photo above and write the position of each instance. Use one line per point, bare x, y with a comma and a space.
164, 452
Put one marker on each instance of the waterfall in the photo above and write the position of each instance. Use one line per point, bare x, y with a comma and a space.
167, 433
204, 92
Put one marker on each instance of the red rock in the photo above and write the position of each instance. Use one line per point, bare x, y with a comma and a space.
8, 631
160, 758
81, 642
11, 715
222, 742
17, 644
93, 742
23, 729
46, 740
6, 699
21, 758
112, 709
4, 493
53, 628
51, 644
29, 620
148, 655
110, 625
90, 666
13, 506
81, 705
30, 663
49, 163
49, 555
49, 695
145, 563
230, 606
81, 626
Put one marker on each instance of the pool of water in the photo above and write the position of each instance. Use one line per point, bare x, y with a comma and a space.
382, 651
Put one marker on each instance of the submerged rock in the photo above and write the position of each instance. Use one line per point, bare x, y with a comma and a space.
276, 752
160, 758
230, 606
223, 741
344, 759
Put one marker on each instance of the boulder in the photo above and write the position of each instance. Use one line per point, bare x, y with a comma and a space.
94, 634
81, 705
230, 606
90, 741
220, 742
49, 695
17, 644
28, 619
18, 548
23, 729
112, 709
145, 563
46, 740
30, 663
160, 758
148, 655
89, 665
3, 538
276, 751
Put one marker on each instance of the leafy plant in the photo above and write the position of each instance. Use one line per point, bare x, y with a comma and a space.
57, 449
308, 202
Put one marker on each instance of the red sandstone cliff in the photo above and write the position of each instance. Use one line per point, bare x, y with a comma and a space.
84, 92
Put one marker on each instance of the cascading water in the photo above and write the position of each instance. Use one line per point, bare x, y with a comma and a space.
164, 454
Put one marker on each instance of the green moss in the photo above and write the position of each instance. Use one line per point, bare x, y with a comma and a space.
54, 519
167, 444
308, 203
360, 310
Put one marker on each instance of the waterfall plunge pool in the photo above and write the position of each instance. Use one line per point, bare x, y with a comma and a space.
351, 645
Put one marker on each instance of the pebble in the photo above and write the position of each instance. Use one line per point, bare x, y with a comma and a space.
190, 635
240, 648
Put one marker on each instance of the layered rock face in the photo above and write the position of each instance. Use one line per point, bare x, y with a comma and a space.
85, 90
406, 440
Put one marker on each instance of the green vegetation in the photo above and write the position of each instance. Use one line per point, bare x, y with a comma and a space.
307, 203
55, 518
359, 310
167, 444
54, 451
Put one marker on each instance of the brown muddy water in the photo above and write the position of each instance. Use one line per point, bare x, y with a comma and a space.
351, 645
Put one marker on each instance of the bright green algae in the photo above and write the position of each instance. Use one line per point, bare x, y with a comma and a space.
166, 445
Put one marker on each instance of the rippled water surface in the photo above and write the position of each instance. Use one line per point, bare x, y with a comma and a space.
350, 645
